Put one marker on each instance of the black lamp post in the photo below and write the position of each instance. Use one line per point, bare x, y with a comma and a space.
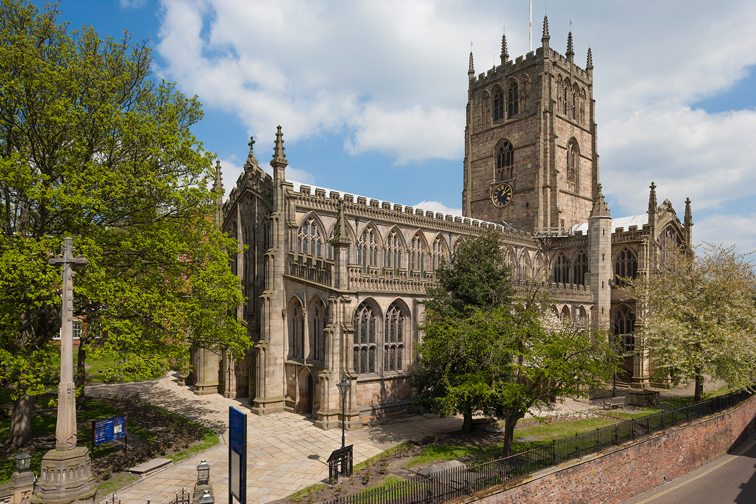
23, 460
203, 473
344, 390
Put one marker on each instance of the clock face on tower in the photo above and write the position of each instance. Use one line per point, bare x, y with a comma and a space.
502, 194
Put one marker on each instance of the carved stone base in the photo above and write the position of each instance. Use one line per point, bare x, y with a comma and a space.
23, 485
66, 478
205, 388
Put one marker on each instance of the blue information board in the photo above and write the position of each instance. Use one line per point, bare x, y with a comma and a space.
109, 429
237, 456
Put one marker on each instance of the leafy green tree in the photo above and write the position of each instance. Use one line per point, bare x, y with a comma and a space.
93, 147
698, 317
504, 355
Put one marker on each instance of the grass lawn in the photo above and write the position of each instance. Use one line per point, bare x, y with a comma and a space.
95, 365
678, 402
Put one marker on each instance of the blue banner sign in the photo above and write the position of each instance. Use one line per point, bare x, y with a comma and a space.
109, 429
237, 456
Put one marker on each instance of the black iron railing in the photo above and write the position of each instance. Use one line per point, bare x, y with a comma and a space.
455, 483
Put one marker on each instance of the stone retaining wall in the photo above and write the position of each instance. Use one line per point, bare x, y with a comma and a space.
637, 466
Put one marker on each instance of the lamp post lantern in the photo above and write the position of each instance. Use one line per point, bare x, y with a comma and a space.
344, 390
203, 472
23, 461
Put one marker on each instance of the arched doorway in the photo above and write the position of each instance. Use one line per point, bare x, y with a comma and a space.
305, 393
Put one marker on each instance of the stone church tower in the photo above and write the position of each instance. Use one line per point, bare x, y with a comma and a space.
530, 141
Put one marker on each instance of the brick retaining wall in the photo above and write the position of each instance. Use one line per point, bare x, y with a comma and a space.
636, 467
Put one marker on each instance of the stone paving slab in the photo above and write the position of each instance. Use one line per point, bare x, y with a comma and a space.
286, 451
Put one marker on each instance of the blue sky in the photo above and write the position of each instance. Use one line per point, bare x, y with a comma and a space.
371, 95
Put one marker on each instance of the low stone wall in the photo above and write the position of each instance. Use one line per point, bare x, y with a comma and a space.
635, 467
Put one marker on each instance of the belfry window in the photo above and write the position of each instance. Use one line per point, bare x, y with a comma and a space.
580, 268
367, 249
513, 101
623, 327
625, 266
365, 337
505, 162
309, 240
498, 105
564, 100
572, 164
561, 270
393, 356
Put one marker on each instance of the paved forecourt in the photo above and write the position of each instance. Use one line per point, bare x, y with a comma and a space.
285, 451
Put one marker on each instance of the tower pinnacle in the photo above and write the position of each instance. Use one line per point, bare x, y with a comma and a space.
471, 69
652, 200
278, 152
570, 53
589, 63
504, 52
600, 208
218, 185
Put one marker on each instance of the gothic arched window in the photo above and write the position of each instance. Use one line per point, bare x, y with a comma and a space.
625, 266
574, 103
367, 249
438, 251
561, 269
365, 339
513, 100
393, 357
623, 326
317, 331
573, 160
564, 97
296, 330
669, 241
393, 253
505, 162
417, 254
498, 105
538, 268
579, 268
486, 108
309, 240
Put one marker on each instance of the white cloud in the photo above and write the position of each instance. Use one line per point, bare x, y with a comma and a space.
728, 230
437, 207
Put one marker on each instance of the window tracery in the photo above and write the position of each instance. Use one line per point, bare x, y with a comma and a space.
623, 327
669, 241
561, 269
580, 268
394, 345
296, 330
439, 251
505, 162
498, 105
392, 258
309, 240
365, 338
573, 160
417, 254
367, 249
513, 100
625, 266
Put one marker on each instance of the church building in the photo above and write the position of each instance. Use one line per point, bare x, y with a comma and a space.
334, 282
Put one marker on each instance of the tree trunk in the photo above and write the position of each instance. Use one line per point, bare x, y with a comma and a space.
510, 422
699, 387
467, 419
81, 375
21, 422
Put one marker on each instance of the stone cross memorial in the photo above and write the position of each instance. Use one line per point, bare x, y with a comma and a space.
66, 473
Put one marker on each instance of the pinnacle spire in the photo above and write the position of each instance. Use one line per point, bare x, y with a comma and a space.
251, 159
652, 199
589, 63
471, 69
688, 216
600, 208
504, 52
218, 185
278, 152
340, 236
570, 53
545, 35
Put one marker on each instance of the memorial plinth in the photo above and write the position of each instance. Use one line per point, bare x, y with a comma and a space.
66, 474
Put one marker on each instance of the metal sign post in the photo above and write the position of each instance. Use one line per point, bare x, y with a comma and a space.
237, 456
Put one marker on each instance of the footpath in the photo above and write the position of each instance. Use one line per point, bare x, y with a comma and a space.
286, 452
